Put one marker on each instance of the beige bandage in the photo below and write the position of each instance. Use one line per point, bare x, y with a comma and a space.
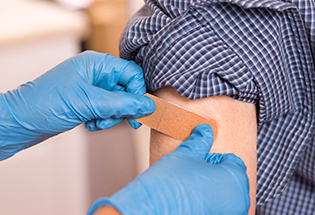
175, 121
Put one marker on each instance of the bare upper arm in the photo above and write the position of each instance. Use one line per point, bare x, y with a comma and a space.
237, 130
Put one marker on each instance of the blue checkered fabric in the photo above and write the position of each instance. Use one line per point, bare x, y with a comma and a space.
258, 51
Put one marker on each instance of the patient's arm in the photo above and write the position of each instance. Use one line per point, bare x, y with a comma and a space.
237, 130
107, 210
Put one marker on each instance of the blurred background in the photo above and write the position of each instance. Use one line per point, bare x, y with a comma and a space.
66, 173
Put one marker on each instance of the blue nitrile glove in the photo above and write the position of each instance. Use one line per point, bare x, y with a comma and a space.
91, 87
187, 181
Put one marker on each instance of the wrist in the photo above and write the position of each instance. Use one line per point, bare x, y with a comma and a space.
132, 199
107, 210
8, 127
99, 205
14, 136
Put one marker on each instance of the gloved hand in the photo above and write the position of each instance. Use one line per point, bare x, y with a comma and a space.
187, 181
91, 87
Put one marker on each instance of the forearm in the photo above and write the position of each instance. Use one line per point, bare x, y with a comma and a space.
237, 130
107, 210
14, 134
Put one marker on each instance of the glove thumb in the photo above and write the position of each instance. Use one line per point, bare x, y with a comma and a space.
199, 142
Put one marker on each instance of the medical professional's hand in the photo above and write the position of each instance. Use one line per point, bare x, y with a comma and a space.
95, 88
187, 181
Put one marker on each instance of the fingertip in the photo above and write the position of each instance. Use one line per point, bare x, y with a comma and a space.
200, 141
90, 126
214, 158
132, 78
134, 124
232, 158
132, 68
229, 158
205, 131
150, 104
108, 123
118, 88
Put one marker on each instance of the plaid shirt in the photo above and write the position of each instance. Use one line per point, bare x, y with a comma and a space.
258, 51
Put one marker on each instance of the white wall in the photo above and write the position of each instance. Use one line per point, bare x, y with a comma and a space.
134, 6
64, 174
49, 178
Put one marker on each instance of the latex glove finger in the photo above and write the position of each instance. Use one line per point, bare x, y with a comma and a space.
102, 124
91, 125
99, 124
103, 104
126, 105
134, 124
199, 142
225, 159
118, 88
132, 79
105, 71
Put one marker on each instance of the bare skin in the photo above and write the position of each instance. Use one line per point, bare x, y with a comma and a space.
107, 210
237, 130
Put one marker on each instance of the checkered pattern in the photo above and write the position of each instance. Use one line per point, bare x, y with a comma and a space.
258, 51
297, 198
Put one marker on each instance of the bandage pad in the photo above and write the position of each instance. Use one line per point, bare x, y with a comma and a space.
175, 121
